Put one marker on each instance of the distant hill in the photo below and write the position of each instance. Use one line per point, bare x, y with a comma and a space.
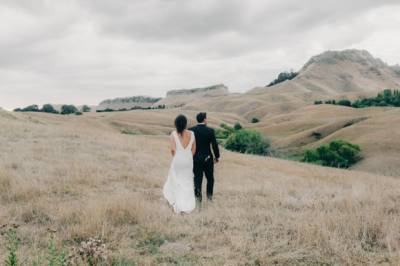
332, 74
396, 69
128, 102
185, 96
338, 72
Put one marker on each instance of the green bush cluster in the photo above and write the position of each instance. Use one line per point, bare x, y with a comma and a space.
338, 153
242, 140
68, 109
255, 120
247, 141
385, 98
282, 77
12, 247
30, 108
48, 108
86, 109
161, 106
223, 133
237, 126
54, 256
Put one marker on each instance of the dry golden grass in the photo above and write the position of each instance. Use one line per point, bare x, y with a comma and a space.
82, 178
376, 130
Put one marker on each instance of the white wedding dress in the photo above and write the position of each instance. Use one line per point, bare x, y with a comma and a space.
179, 188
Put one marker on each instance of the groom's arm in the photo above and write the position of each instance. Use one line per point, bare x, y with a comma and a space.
214, 144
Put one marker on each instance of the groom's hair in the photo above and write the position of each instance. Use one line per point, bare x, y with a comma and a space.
201, 117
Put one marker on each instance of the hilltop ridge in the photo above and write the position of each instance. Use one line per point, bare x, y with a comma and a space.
346, 74
185, 96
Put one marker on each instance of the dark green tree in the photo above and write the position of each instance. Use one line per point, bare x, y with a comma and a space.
337, 153
30, 108
68, 109
344, 102
86, 109
48, 108
247, 141
237, 126
282, 77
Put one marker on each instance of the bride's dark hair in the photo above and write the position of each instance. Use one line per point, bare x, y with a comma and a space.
180, 123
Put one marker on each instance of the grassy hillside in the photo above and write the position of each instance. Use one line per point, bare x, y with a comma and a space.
330, 75
376, 130
79, 177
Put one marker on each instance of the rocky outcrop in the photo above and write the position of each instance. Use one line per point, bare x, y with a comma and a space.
216, 90
185, 96
128, 102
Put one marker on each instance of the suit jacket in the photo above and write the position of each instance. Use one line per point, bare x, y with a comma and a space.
205, 138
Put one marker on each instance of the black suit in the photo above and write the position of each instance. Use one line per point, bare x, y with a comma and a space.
203, 159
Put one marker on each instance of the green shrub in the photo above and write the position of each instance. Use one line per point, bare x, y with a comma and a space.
86, 109
227, 128
330, 102
128, 132
54, 256
338, 153
318, 102
255, 120
105, 110
30, 108
48, 108
151, 243
282, 77
237, 126
221, 133
247, 141
68, 109
12, 247
344, 102
385, 98
78, 113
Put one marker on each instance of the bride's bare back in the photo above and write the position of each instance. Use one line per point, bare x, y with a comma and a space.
184, 140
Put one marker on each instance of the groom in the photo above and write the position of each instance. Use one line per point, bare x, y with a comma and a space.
203, 159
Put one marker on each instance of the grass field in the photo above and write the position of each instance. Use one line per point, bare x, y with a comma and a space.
80, 177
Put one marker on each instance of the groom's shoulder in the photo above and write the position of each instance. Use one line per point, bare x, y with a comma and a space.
211, 129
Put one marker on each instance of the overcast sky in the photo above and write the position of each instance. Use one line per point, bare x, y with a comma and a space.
84, 51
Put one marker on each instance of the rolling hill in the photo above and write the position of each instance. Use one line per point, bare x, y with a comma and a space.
376, 130
185, 96
332, 74
71, 178
127, 102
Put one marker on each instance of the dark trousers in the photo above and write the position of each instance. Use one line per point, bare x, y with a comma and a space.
200, 167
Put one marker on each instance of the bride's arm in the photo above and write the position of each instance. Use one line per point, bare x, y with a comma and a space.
194, 146
172, 145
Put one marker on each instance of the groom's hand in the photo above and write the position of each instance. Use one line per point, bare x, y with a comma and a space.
216, 160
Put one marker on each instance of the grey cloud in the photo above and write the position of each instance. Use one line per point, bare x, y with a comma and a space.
82, 51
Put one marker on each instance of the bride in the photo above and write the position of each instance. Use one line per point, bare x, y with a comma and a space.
179, 188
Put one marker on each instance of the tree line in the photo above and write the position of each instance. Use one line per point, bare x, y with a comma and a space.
48, 108
387, 97
286, 75
161, 106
